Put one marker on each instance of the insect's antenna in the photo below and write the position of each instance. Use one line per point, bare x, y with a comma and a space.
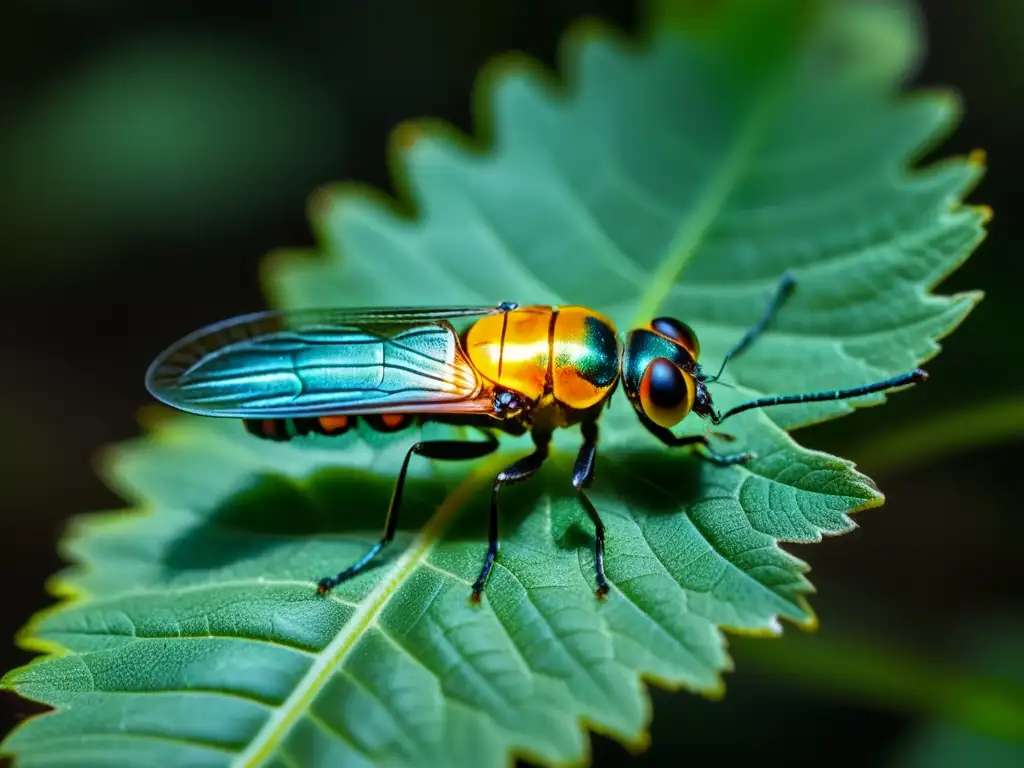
785, 288
913, 377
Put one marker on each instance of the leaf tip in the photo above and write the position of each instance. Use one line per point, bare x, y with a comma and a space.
586, 30
406, 135
807, 622
873, 497
969, 298
811, 622
716, 692
502, 66
713, 690
636, 744
409, 134
329, 202
493, 76
803, 618
321, 204
985, 213
510, 66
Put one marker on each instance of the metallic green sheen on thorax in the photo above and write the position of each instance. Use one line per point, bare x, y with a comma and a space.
598, 359
642, 347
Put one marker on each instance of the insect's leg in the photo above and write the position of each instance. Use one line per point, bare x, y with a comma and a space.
671, 440
784, 290
521, 470
582, 476
450, 450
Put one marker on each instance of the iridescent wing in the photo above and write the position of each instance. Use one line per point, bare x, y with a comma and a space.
325, 362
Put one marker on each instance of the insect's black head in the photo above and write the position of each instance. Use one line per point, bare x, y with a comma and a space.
508, 404
660, 374
702, 404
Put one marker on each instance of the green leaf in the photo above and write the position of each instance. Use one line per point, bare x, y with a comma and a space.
681, 175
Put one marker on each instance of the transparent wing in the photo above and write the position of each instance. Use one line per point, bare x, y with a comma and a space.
332, 361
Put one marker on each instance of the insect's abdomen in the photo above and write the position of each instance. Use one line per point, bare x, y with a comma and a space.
571, 353
286, 429
585, 364
513, 349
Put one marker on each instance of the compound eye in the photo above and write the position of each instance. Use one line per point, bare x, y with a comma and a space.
679, 332
666, 393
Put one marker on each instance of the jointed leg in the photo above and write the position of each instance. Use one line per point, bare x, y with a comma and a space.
669, 439
582, 476
450, 450
521, 470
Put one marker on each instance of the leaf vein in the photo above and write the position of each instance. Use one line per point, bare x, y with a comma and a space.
614, 255
332, 730
365, 616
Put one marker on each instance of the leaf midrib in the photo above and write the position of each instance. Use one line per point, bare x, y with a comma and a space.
694, 228
270, 735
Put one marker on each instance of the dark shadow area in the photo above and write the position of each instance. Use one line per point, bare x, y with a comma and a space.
797, 729
657, 483
274, 511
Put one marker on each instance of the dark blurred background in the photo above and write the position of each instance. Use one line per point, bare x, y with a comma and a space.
152, 153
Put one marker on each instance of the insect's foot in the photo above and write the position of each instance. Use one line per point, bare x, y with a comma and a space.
786, 284
602, 591
729, 459
326, 585
474, 597
481, 580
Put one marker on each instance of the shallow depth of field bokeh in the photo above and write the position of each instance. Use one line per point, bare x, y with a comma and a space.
151, 154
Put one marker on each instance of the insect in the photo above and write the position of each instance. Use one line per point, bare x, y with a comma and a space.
506, 368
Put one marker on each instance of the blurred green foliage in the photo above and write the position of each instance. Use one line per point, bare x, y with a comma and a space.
156, 137
990, 647
954, 431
